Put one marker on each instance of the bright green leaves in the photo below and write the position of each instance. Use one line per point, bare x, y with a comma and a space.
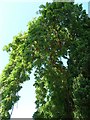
14, 74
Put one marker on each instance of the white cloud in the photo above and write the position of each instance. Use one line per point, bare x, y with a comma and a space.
77, 1
23, 112
26, 0
81, 1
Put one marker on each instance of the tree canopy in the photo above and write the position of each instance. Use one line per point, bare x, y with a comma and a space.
61, 32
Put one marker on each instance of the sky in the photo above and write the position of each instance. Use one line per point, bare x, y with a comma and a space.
14, 17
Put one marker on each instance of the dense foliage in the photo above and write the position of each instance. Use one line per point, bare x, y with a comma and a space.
60, 33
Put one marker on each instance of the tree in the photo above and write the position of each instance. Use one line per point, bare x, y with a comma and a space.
57, 34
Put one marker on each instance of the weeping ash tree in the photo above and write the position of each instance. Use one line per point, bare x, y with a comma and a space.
60, 33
